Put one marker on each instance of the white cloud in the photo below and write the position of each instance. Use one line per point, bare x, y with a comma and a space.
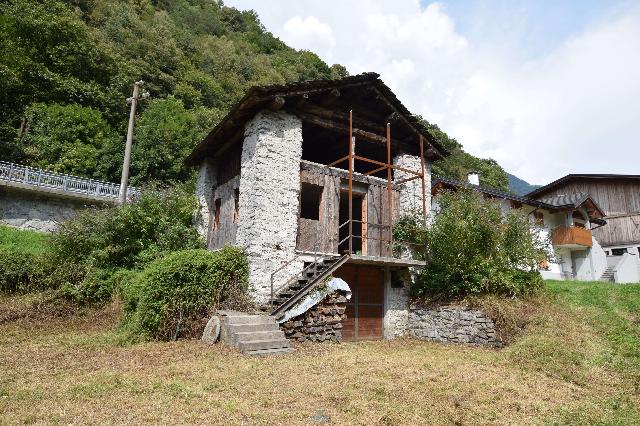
575, 109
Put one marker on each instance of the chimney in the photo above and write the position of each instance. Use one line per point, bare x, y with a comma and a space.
474, 178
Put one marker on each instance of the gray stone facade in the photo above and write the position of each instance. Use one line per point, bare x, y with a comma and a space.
396, 317
269, 195
411, 192
206, 181
34, 212
452, 324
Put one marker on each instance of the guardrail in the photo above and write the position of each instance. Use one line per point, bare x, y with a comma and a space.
73, 185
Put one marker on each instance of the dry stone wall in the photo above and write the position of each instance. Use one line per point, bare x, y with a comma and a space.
411, 192
453, 325
321, 323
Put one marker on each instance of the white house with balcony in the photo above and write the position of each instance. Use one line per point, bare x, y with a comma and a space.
568, 220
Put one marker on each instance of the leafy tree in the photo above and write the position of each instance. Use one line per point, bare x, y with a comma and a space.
165, 134
69, 139
472, 248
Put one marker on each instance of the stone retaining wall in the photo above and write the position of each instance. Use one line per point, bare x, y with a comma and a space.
321, 323
452, 324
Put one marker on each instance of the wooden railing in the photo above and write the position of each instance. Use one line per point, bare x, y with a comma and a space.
571, 235
73, 185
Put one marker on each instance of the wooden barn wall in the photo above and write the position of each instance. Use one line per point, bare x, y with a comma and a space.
615, 197
226, 231
326, 229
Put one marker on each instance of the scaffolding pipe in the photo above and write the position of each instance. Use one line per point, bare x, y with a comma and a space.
424, 190
351, 154
389, 192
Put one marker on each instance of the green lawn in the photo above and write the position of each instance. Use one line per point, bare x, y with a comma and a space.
22, 241
576, 363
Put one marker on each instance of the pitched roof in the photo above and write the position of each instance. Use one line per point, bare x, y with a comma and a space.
357, 86
561, 202
583, 176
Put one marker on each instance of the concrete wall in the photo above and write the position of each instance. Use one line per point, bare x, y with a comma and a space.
27, 210
627, 269
269, 195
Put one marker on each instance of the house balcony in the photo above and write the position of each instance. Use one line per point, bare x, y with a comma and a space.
571, 237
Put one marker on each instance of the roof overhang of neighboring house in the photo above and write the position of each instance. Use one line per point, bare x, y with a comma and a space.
326, 103
553, 204
578, 177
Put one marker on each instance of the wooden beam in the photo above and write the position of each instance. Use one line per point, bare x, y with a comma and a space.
333, 125
342, 117
276, 104
330, 97
301, 101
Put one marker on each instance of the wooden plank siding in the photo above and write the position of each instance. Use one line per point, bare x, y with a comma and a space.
375, 210
618, 198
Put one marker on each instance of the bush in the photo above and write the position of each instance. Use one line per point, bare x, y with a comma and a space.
472, 248
181, 289
20, 272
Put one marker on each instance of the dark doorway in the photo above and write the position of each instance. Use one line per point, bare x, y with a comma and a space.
358, 200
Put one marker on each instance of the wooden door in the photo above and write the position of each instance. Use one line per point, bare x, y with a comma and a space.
365, 310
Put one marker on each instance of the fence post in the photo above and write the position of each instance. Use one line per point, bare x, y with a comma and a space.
11, 172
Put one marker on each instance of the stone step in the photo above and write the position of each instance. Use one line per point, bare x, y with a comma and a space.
266, 352
255, 345
248, 319
243, 328
252, 336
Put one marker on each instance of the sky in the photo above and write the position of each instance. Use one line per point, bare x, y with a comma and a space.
545, 88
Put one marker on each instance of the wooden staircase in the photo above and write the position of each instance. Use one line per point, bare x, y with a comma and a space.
299, 285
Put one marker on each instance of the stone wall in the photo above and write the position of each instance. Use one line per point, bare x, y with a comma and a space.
321, 323
269, 196
30, 211
205, 183
453, 325
411, 192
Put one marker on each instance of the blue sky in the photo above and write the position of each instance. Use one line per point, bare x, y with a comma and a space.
528, 28
545, 88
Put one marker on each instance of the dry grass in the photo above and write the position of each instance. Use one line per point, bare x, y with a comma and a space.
70, 370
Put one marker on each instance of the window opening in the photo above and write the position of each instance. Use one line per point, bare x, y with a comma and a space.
310, 200
216, 214
236, 209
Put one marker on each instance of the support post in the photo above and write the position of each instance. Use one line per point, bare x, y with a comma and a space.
135, 97
424, 186
351, 154
389, 191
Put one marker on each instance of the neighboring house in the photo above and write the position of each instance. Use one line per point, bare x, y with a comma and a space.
275, 178
568, 220
619, 198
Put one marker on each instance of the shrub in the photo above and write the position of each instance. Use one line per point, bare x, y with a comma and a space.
180, 289
20, 271
472, 248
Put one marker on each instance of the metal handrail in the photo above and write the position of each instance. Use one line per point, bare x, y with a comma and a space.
39, 178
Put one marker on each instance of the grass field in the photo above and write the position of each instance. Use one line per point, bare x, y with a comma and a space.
578, 362
22, 241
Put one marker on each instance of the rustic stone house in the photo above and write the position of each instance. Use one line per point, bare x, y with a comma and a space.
308, 178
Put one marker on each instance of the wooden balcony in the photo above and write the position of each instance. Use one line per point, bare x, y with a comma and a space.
571, 237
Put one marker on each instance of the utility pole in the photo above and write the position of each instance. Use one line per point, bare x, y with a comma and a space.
133, 100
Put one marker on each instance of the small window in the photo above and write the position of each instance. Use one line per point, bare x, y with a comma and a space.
236, 209
618, 251
396, 280
216, 214
310, 199
539, 217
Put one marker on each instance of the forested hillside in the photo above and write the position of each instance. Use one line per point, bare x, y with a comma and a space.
66, 69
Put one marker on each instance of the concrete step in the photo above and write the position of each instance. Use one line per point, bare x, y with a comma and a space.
252, 336
255, 345
248, 319
266, 352
243, 328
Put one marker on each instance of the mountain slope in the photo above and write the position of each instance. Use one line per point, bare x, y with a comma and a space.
519, 186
